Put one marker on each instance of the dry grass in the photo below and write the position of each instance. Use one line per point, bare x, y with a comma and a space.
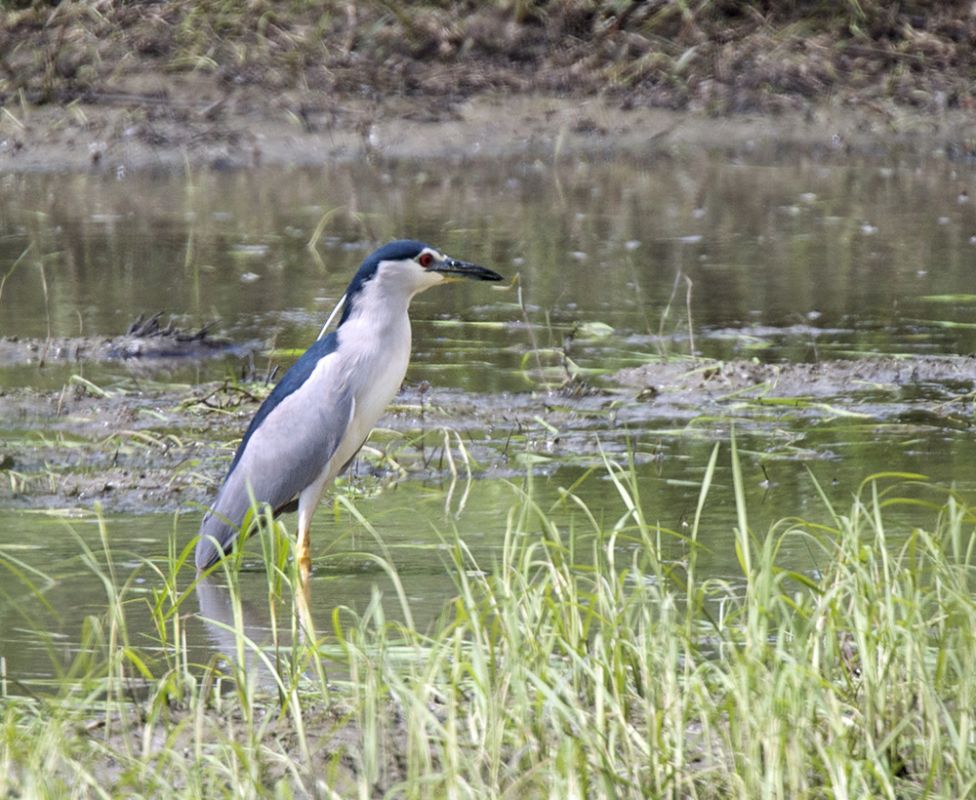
718, 56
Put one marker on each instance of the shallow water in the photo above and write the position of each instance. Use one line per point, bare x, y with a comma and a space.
799, 261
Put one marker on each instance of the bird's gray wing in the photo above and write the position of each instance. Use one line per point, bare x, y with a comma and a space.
285, 453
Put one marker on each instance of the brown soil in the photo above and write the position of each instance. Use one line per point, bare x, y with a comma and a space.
117, 85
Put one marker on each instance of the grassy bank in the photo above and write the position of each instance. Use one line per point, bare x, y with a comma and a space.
715, 55
577, 665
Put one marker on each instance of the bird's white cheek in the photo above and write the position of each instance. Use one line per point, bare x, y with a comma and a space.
429, 279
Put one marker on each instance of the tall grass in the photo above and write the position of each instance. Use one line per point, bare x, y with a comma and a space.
577, 664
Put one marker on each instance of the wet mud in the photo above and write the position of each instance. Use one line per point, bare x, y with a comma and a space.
159, 450
146, 339
848, 382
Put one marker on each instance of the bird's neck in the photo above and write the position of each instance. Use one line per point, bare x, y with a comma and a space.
373, 309
379, 307
377, 325
375, 339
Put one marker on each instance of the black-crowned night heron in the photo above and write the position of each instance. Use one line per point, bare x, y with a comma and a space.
318, 416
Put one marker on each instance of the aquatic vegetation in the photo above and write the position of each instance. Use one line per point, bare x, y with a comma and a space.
580, 661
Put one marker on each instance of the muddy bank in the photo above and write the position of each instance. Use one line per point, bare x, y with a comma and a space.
147, 339
845, 381
483, 127
931, 391
161, 450
177, 84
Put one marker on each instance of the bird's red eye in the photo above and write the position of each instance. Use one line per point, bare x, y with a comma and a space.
425, 260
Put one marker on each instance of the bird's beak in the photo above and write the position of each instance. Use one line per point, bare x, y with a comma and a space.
452, 268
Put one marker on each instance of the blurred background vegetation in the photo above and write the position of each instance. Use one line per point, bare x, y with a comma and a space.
713, 55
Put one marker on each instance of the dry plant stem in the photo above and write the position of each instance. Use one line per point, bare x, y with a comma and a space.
13, 268
530, 326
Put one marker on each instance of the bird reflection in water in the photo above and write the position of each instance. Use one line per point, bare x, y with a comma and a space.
250, 636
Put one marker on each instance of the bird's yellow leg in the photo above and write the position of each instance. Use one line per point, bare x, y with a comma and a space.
303, 605
303, 556
304, 547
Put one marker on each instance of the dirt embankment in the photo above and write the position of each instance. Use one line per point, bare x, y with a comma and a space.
112, 82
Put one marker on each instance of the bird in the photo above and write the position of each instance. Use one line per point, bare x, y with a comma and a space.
318, 416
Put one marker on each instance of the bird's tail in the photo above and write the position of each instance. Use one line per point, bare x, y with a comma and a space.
222, 523
217, 537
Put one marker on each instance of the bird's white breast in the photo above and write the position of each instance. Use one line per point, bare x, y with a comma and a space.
380, 372
373, 354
